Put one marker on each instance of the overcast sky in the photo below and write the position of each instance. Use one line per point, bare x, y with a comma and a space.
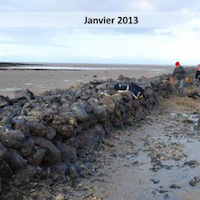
135, 46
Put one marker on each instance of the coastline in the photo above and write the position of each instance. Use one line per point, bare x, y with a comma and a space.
39, 81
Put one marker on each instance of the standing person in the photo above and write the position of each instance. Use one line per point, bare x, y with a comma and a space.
197, 76
180, 74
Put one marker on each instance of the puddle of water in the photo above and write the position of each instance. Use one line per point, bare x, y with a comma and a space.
73, 80
10, 89
28, 84
194, 118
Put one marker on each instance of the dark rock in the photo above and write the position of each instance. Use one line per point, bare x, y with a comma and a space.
79, 112
36, 128
52, 155
108, 101
36, 156
192, 163
5, 170
37, 113
18, 120
174, 186
3, 151
69, 153
3, 101
148, 93
155, 181
14, 159
73, 173
100, 112
50, 133
12, 138
24, 176
194, 181
27, 147
67, 131
27, 94
91, 138
60, 167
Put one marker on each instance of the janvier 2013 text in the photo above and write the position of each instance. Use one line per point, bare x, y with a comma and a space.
107, 20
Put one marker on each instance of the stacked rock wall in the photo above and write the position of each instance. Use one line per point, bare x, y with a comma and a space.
50, 135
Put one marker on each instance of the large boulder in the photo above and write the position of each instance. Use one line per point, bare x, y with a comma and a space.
69, 153
15, 160
108, 101
52, 155
67, 131
5, 170
37, 156
12, 138
27, 94
24, 176
79, 111
90, 139
39, 129
148, 93
27, 147
100, 112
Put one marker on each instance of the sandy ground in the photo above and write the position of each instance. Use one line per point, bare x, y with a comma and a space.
153, 161
39, 81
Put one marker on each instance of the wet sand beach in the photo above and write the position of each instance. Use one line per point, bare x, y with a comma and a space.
39, 81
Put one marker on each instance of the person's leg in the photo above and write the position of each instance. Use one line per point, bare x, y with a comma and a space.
179, 87
182, 83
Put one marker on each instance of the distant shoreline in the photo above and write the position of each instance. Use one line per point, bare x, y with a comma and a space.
78, 66
39, 81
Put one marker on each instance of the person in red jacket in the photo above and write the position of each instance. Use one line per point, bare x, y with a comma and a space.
180, 74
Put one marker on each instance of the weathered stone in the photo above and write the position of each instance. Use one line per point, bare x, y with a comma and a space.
79, 112
3, 151
5, 170
91, 138
148, 92
36, 156
18, 120
24, 176
38, 113
67, 131
100, 112
14, 159
52, 155
50, 133
35, 128
73, 173
27, 147
3, 101
108, 101
27, 94
12, 138
69, 153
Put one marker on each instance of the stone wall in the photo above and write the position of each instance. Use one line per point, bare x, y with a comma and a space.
52, 135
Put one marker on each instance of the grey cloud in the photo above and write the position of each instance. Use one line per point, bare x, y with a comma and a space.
93, 5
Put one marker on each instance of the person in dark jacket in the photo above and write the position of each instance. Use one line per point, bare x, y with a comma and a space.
197, 76
180, 74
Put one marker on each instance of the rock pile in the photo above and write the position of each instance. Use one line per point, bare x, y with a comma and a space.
53, 134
